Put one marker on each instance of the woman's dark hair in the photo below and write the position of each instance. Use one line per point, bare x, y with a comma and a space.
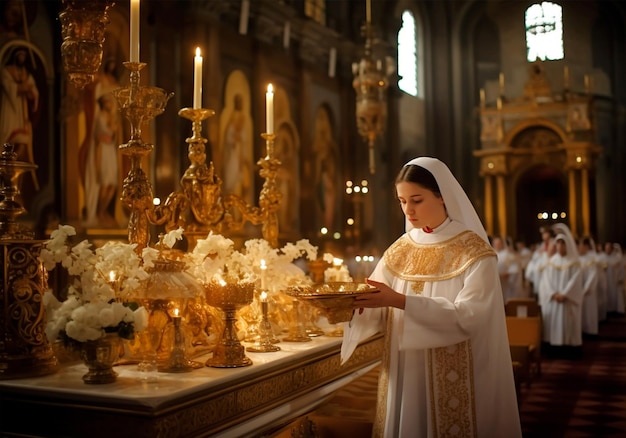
418, 175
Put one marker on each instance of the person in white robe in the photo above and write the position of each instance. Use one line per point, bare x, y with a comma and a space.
602, 260
538, 261
561, 295
508, 268
589, 268
614, 277
447, 369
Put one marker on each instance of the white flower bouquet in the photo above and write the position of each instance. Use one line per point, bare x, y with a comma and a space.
98, 281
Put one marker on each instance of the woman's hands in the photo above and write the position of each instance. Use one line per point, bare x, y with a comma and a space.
387, 297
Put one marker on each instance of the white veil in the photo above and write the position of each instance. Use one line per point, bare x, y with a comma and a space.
568, 238
458, 205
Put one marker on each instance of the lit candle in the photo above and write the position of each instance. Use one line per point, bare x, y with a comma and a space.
197, 79
269, 109
134, 30
112, 276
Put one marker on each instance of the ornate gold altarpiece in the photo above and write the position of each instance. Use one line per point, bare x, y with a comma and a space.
539, 128
239, 402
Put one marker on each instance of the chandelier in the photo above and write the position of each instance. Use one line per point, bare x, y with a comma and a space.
371, 79
83, 25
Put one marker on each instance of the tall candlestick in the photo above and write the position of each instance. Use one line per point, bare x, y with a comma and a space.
197, 80
134, 30
269, 109
264, 305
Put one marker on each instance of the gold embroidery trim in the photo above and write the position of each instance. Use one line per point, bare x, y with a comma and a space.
418, 287
378, 428
413, 261
451, 385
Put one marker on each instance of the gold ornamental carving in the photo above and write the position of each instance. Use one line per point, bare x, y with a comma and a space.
199, 206
24, 348
227, 407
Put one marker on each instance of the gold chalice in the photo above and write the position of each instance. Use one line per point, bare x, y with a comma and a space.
229, 297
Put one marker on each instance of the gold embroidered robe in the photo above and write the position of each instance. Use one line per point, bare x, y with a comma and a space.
447, 371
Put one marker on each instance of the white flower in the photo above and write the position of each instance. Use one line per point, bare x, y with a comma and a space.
170, 238
97, 279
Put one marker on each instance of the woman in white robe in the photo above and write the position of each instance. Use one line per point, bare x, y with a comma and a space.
447, 366
589, 269
561, 295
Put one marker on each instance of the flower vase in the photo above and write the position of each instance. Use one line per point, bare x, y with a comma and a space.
99, 356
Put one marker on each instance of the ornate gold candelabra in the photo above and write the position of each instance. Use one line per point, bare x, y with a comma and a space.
140, 104
24, 348
209, 210
83, 25
199, 206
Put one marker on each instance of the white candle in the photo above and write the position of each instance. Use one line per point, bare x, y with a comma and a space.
197, 79
269, 109
243, 17
134, 30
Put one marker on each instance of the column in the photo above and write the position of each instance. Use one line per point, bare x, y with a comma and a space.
586, 208
489, 204
501, 205
573, 213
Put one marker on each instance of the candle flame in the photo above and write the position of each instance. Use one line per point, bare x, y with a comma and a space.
112, 276
222, 282
263, 296
263, 264
270, 88
198, 53
337, 261
176, 311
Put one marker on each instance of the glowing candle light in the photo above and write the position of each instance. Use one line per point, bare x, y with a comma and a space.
269, 109
197, 79
112, 276
134, 30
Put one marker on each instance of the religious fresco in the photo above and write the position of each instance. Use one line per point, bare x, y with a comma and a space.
287, 150
234, 159
95, 131
326, 169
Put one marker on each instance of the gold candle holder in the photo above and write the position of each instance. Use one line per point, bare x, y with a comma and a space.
297, 332
139, 104
264, 342
178, 361
229, 297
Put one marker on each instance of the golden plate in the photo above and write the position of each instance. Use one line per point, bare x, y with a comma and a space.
334, 298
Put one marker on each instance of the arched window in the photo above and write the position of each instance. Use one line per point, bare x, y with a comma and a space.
407, 54
544, 31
